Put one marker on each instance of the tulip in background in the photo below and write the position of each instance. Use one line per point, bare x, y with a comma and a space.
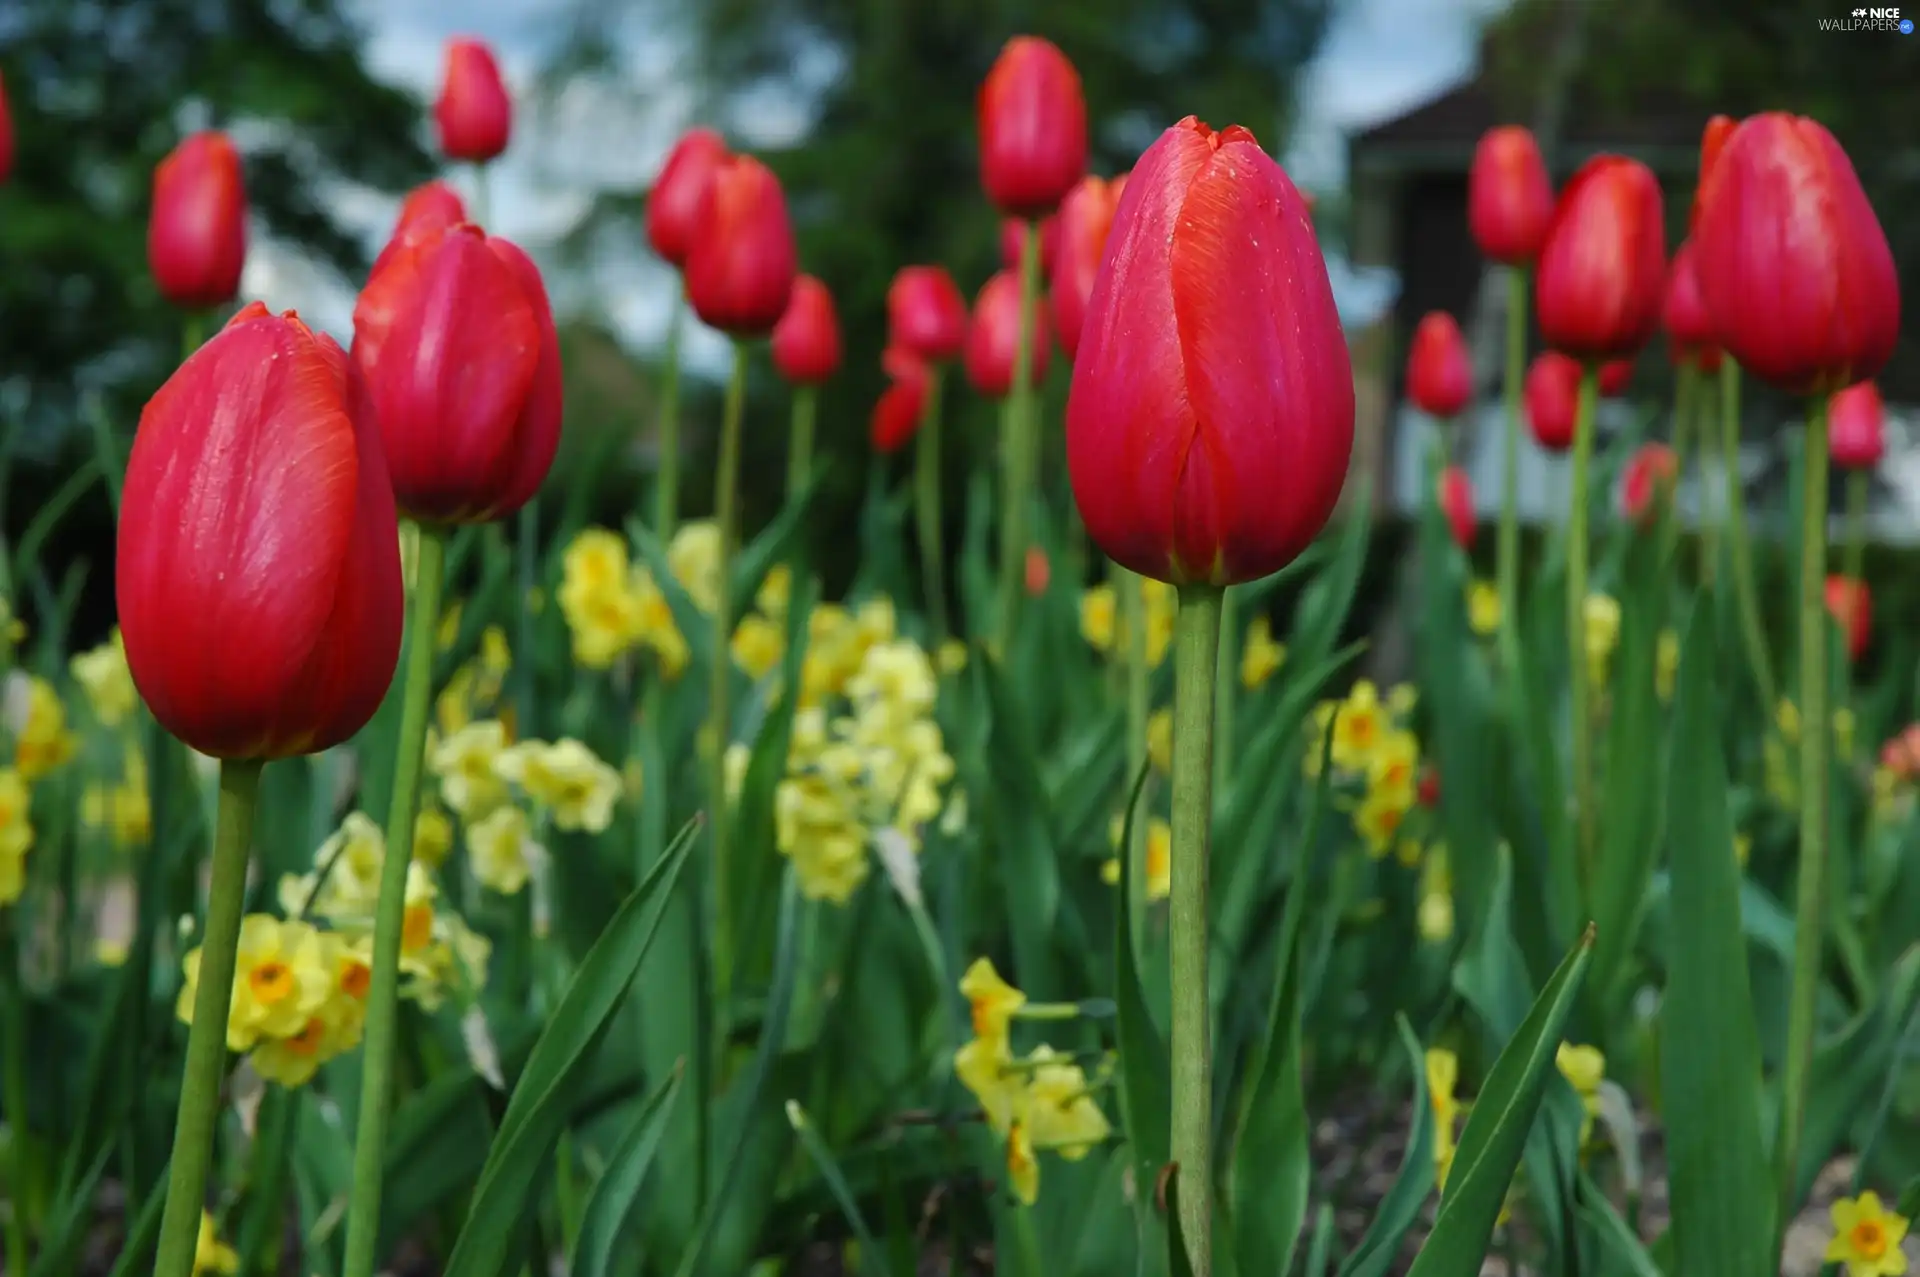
1646, 484
474, 114
258, 584
1553, 399
927, 326
6, 134
427, 209
1207, 446
1439, 369
926, 314
1013, 242
806, 350
1850, 605
993, 338
197, 232
1456, 503
1614, 378
1684, 315
1856, 441
896, 415
1085, 217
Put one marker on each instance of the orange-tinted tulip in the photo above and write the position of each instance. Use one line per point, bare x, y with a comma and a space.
926, 314
1851, 606
1648, 481
6, 134
1615, 376
1602, 275
1013, 240
1033, 128
258, 562
1039, 571
673, 206
741, 269
456, 341
1553, 399
1086, 215
806, 341
1713, 140
1456, 503
1689, 327
473, 112
1439, 370
427, 209
1793, 263
1509, 199
994, 336
1856, 427
1208, 441
896, 416
197, 235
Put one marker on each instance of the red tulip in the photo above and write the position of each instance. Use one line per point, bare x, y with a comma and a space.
1439, 370
1713, 140
1793, 264
427, 209
473, 111
1901, 754
1039, 571
1615, 376
1013, 240
197, 236
1856, 424
1509, 199
1086, 215
1429, 791
1033, 128
1553, 399
1689, 326
926, 314
673, 206
6, 134
994, 335
1648, 481
896, 417
1456, 502
1602, 273
1208, 441
741, 268
806, 341
1851, 606
456, 341
258, 568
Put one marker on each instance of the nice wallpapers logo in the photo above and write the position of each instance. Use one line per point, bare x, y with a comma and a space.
1870, 19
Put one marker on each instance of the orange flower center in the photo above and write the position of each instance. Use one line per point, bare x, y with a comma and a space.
1869, 1239
417, 930
270, 982
1361, 729
1389, 820
307, 1041
981, 1014
1396, 774
355, 977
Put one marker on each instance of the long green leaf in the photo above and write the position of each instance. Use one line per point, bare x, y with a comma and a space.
60, 1243
873, 1257
1146, 1087
145, 1233
1397, 1211
604, 1221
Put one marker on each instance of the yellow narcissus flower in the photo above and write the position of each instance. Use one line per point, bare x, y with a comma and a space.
1666, 664
1261, 657
1602, 619
210, 1254
951, 657
465, 765
432, 837
16, 834
1359, 723
43, 742
1443, 1078
281, 977
1867, 1237
103, 675
1402, 699
605, 625
594, 560
775, 592
992, 1000
1585, 1068
1059, 1112
827, 846
985, 1068
1100, 617
498, 849
659, 633
568, 779
1160, 741
448, 632
1483, 607
1023, 1168
1395, 765
121, 809
694, 559
331, 1031
758, 646
355, 853
1159, 866
1379, 818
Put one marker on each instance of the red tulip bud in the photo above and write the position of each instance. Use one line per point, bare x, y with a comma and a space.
1509, 199
1439, 370
1614, 377
1648, 481
897, 414
1689, 326
258, 568
1553, 399
1013, 239
1856, 424
1793, 264
1602, 273
427, 209
741, 269
1033, 128
926, 314
1039, 571
994, 335
456, 341
1086, 215
1206, 441
473, 111
1851, 606
6, 134
197, 236
1713, 140
806, 341
1456, 502
673, 207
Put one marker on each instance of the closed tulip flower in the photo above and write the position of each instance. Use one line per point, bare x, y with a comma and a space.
1647, 482
1456, 503
741, 268
427, 209
456, 341
473, 112
1615, 376
197, 235
1033, 128
806, 341
258, 563
1689, 327
6, 134
1602, 275
1713, 140
994, 336
1553, 399
1856, 438
673, 206
1086, 215
926, 314
1013, 240
1509, 199
896, 416
1439, 370
1793, 263
1206, 442
1851, 605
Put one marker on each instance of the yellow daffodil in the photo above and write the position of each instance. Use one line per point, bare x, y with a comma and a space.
1379, 818
432, 837
659, 632
1099, 617
757, 646
122, 810
985, 1068
465, 765
355, 852
1483, 608
775, 592
498, 849
43, 742
594, 560
16, 834
951, 657
210, 1254
1402, 698
1261, 657
1023, 1168
1395, 765
1358, 726
694, 559
1059, 1112
991, 999
1443, 1078
1602, 620
281, 978
1867, 1237
1159, 859
1160, 741
568, 779
103, 676
1585, 1068
448, 632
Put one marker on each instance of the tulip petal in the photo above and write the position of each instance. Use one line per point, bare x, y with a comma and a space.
537, 435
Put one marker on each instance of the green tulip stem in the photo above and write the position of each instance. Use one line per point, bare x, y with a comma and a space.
1577, 552
389, 919
1810, 908
1225, 675
1020, 444
666, 488
1133, 619
926, 508
1745, 590
1507, 548
1685, 392
482, 202
206, 1063
1196, 658
806, 406
1701, 424
726, 494
193, 333
1859, 493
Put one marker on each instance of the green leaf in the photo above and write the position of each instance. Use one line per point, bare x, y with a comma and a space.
145, 1233
1178, 1265
1397, 1211
1027, 858
542, 1099
1496, 1135
1710, 1050
873, 1257
775, 544
604, 1222
1616, 1238
1146, 1087
1320, 1249
66, 1233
